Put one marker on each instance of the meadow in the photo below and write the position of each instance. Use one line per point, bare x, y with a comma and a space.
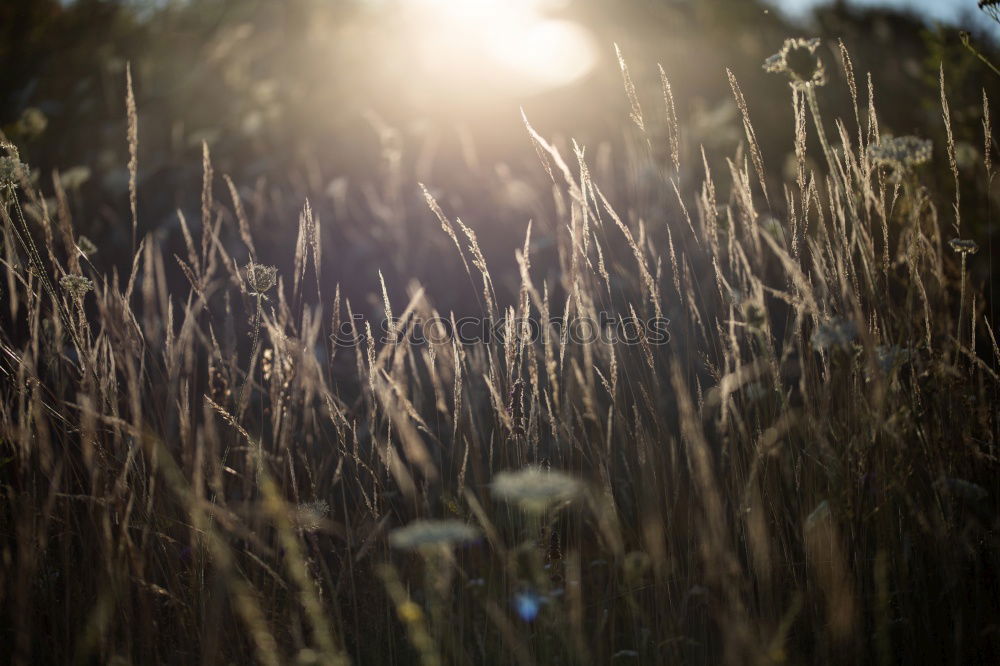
710, 409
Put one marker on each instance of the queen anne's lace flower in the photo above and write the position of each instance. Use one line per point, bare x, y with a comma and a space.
32, 122
422, 534
261, 278
991, 7
86, 246
12, 169
901, 153
964, 246
312, 514
535, 489
798, 60
76, 286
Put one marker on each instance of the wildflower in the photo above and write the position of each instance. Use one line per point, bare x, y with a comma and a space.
535, 489
12, 169
261, 278
966, 155
311, 515
76, 285
835, 334
528, 604
625, 654
635, 566
86, 246
901, 154
267, 364
890, 357
409, 612
421, 534
963, 246
797, 58
991, 7
307, 656
32, 122
74, 177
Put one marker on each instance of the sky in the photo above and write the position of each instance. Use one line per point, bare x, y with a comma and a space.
949, 11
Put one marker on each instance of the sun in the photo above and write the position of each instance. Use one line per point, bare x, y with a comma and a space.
512, 43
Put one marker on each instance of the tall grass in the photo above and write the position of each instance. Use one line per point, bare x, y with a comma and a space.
806, 472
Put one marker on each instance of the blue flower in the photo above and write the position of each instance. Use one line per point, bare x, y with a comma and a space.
527, 605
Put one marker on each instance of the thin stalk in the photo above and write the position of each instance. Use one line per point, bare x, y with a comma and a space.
250, 365
34, 258
967, 42
253, 352
961, 305
814, 109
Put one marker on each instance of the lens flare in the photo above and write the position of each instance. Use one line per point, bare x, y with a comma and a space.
513, 44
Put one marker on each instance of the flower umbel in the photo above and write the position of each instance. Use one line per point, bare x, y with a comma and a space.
991, 7
535, 489
310, 516
12, 169
901, 153
32, 122
86, 246
260, 278
963, 246
797, 59
421, 534
76, 286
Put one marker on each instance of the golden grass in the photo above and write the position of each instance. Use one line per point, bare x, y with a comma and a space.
806, 472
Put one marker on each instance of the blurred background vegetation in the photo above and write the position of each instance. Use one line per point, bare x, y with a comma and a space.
341, 102
350, 105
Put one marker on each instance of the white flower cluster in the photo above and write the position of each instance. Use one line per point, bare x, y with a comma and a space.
261, 278
901, 153
310, 516
535, 489
421, 534
76, 286
12, 169
991, 7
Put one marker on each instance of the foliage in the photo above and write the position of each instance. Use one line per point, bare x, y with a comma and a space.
209, 458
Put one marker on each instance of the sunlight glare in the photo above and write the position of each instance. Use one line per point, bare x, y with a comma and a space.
512, 40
